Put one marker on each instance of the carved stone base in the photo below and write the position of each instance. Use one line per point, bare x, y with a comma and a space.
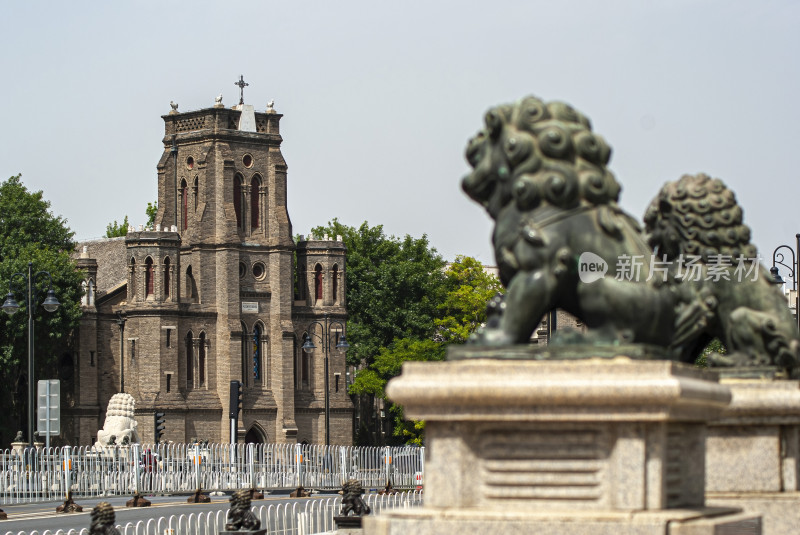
69, 506
432, 521
600, 446
138, 501
198, 497
348, 522
753, 452
257, 532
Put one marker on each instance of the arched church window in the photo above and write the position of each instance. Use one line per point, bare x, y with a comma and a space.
255, 185
245, 363
257, 360
238, 193
85, 298
90, 293
191, 285
255, 435
185, 204
166, 277
318, 282
196, 192
335, 282
189, 360
201, 359
148, 275
132, 289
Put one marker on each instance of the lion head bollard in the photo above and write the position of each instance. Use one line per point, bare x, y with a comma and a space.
103, 520
352, 502
240, 518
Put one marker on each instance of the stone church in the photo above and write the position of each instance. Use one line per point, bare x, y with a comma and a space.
217, 291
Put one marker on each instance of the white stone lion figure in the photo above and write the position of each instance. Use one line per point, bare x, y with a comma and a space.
120, 425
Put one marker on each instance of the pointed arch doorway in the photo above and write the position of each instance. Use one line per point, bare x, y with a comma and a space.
255, 435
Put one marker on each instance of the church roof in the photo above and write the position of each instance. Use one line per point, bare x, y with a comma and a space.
111, 259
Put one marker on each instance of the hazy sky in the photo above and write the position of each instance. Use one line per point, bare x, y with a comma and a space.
379, 99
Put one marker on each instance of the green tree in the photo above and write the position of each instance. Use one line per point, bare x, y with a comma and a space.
388, 364
29, 232
150, 212
404, 304
394, 288
115, 230
469, 289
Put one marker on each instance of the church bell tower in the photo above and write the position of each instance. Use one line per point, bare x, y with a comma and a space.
222, 189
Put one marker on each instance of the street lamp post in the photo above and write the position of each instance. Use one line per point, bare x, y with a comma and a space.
121, 323
779, 259
325, 340
10, 306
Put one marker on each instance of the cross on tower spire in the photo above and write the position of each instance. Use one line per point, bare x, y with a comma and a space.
242, 84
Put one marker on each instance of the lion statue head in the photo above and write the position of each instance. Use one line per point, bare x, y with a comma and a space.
535, 153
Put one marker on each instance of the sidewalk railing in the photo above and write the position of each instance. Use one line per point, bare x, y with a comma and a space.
309, 517
45, 474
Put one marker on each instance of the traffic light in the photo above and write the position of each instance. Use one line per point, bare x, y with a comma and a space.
158, 426
236, 400
234, 406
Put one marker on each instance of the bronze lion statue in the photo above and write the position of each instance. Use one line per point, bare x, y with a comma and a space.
240, 517
562, 241
352, 502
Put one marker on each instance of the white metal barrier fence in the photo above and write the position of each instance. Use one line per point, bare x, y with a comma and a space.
45, 474
300, 518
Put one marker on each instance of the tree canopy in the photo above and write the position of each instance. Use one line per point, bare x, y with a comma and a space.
150, 212
405, 303
115, 230
29, 232
469, 289
394, 288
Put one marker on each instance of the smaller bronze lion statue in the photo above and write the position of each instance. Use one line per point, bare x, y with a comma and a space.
103, 520
240, 517
352, 500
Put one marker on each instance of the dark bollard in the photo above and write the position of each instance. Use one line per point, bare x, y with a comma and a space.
198, 497
301, 492
138, 501
69, 506
388, 489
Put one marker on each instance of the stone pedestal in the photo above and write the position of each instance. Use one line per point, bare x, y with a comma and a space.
601, 446
348, 525
752, 452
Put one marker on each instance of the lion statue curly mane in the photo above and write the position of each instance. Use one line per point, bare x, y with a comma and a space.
562, 241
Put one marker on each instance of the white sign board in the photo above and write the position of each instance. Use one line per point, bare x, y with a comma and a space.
249, 308
48, 407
